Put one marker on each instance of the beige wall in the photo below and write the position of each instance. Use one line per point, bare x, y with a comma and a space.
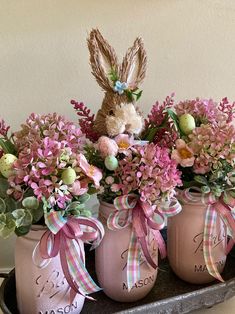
44, 58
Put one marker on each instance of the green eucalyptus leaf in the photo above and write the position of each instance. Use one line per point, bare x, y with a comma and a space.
18, 213
2, 221
84, 198
75, 212
23, 230
3, 187
37, 214
11, 204
23, 217
216, 190
86, 213
75, 206
28, 218
201, 179
2, 206
7, 225
30, 202
205, 189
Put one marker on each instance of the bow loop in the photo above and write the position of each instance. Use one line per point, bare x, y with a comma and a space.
125, 202
170, 208
145, 221
65, 237
55, 221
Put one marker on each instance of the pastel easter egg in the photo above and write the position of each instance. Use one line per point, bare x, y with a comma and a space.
6, 163
111, 163
68, 176
187, 123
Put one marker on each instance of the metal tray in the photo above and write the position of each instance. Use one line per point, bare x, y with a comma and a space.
169, 295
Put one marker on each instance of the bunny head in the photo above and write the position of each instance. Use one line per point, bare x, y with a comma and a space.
120, 84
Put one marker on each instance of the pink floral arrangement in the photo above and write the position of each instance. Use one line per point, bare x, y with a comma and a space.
43, 168
131, 167
149, 171
204, 148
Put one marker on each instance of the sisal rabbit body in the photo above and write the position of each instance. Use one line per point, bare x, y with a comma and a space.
119, 82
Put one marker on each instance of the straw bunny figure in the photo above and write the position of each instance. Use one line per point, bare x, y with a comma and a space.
120, 83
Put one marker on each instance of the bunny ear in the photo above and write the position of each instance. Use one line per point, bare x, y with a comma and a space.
134, 63
103, 59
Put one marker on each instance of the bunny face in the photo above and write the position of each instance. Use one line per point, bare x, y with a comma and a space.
117, 114
125, 120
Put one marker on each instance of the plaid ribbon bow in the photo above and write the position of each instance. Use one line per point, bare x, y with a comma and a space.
65, 237
143, 217
223, 208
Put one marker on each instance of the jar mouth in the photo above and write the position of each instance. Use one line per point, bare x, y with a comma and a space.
38, 227
106, 209
193, 196
106, 204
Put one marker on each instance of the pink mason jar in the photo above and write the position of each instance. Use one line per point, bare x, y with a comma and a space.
185, 242
40, 284
111, 261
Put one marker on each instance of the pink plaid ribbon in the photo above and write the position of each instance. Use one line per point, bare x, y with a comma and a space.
222, 207
143, 217
65, 237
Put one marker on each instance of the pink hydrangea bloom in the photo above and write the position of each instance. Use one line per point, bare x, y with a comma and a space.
53, 126
183, 155
47, 145
202, 110
107, 147
211, 143
150, 172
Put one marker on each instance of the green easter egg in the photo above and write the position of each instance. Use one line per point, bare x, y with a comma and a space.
111, 163
187, 123
6, 163
68, 176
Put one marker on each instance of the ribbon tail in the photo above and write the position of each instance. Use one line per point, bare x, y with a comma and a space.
146, 253
74, 288
77, 269
226, 213
133, 269
210, 222
227, 216
160, 243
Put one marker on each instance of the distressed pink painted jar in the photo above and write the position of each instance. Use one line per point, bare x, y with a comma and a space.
111, 260
40, 285
185, 242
